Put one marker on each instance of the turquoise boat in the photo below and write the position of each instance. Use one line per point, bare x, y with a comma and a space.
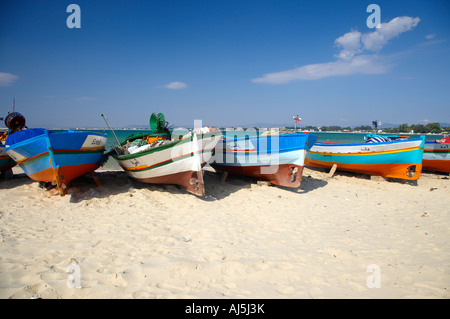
394, 156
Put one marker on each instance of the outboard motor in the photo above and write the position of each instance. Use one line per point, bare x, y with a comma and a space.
15, 121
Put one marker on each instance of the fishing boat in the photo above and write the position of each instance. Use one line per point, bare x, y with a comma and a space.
56, 157
162, 158
436, 155
275, 158
14, 122
387, 156
6, 162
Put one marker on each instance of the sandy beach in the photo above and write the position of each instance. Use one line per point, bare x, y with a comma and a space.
342, 237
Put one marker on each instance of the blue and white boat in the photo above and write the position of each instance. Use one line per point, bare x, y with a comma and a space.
278, 159
56, 157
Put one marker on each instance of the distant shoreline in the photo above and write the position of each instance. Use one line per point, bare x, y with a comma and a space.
282, 130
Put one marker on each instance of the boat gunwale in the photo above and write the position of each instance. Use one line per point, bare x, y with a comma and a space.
435, 142
257, 151
248, 137
409, 149
159, 148
32, 139
320, 143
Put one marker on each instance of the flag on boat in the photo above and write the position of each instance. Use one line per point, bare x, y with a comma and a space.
445, 139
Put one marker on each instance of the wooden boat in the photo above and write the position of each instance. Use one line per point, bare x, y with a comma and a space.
56, 157
278, 159
395, 157
160, 158
436, 155
6, 162
14, 122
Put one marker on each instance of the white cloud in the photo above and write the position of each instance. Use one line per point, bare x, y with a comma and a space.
176, 85
430, 36
6, 79
85, 98
353, 57
365, 64
375, 41
350, 44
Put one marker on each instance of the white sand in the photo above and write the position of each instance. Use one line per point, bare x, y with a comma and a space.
133, 240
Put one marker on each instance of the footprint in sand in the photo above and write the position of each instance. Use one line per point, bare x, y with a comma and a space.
36, 291
286, 290
233, 268
115, 279
315, 293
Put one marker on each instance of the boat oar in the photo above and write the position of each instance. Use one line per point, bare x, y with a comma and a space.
114, 134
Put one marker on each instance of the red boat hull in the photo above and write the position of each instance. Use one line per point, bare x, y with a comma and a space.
288, 175
436, 165
191, 181
66, 173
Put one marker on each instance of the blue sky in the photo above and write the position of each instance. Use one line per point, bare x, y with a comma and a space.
226, 62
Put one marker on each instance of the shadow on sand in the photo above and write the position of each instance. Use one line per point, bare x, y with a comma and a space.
217, 189
110, 183
10, 181
114, 182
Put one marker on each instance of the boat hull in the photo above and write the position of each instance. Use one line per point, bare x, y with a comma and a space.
278, 159
67, 173
287, 175
178, 162
395, 159
6, 162
436, 157
58, 158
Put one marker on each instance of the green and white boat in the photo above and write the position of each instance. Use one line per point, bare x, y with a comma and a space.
160, 158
